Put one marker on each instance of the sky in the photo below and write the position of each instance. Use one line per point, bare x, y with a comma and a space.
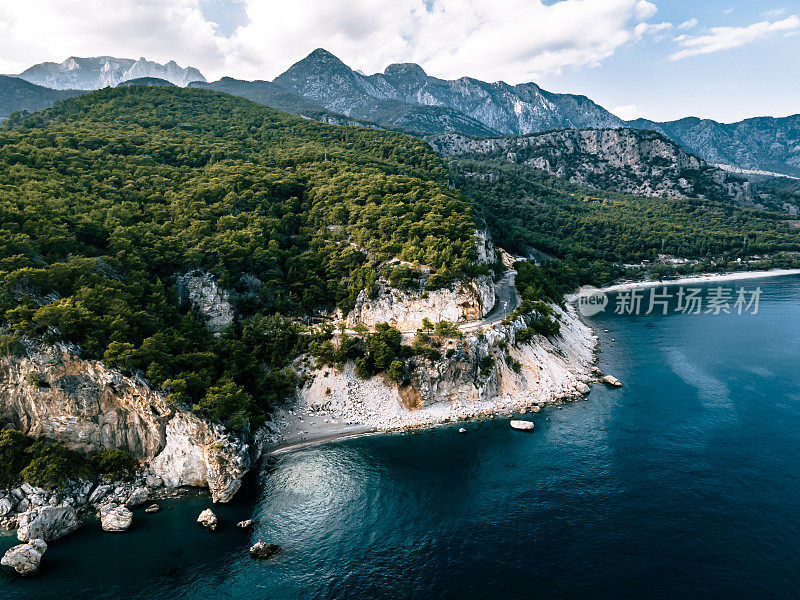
658, 59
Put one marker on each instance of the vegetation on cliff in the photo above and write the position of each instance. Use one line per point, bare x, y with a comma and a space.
48, 464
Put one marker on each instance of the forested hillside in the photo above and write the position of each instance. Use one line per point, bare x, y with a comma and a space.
106, 198
597, 231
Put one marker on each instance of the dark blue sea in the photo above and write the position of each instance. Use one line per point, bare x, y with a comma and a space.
685, 483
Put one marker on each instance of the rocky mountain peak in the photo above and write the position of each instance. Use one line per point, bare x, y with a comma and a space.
405, 72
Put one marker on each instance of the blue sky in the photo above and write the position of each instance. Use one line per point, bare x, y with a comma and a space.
661, 59
758, 78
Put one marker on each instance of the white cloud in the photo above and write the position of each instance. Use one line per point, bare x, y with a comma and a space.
689, 24
725, 38
627, 112
514, 40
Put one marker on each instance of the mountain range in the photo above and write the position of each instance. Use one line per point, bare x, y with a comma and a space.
404, 97
104, 71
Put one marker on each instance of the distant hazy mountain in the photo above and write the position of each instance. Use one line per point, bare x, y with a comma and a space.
102, 71
17, 94
405, 96
631, 161
763, 143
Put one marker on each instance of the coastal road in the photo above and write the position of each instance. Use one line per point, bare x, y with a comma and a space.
507, 299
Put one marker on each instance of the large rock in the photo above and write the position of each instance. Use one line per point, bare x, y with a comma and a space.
47, 523
263, 551
138, 497
201, 453
115, 518
205, 296
208, 519
25, 558
5, 506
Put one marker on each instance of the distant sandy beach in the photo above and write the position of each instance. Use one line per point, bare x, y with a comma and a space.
701, 278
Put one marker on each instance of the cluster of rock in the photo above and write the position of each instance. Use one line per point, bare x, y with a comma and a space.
28, 507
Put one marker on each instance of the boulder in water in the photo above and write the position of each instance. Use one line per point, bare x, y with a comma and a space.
522, 425
25, 558
153, 508
263, 551
115, 518
47, 523
208, 519
612, 381
245, 524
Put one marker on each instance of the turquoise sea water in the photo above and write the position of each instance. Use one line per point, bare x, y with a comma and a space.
682, 484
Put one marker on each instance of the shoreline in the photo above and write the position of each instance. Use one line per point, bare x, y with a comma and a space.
699, 278
318, 434
343, 406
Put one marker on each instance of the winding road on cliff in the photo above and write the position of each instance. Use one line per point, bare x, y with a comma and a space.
506, 301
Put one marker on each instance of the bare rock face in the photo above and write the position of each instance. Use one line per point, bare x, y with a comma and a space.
208, 519
205, 296
25, 558
115, 518
200, 453
484, 372
466, 301
632, 161
51, 392
82, 404
47, 523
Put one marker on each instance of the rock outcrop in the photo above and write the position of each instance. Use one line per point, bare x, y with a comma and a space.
263, 550
631, 161
47, 523
205, 296
485, 372
465, 301
25, 558
208, 519
115, 518
82, 404
51, 392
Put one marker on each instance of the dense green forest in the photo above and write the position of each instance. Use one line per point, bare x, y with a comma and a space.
105, 198
594, 232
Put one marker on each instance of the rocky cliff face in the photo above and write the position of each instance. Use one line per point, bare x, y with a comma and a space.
761, 143
466, 301
102, 71
642, 163
204, 295
51, 392
459, 385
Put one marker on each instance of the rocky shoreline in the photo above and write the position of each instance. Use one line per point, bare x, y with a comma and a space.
550, 371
